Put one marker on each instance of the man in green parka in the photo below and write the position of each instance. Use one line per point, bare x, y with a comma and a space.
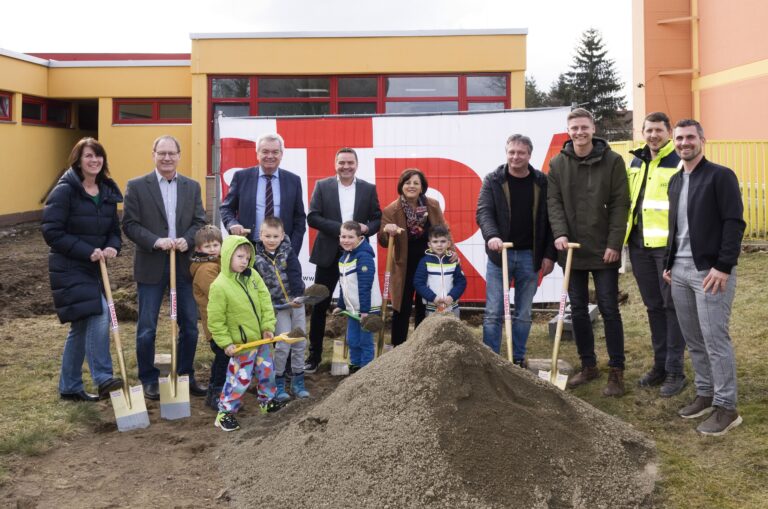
588, 203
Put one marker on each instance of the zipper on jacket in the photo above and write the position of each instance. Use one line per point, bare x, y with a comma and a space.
249, 300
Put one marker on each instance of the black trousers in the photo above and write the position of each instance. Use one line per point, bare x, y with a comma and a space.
401, 319
218, 367
329, 277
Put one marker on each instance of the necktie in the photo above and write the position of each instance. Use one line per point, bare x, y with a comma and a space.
269, 206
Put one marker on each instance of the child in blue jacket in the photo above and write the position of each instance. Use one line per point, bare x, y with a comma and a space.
358, 291
438, 280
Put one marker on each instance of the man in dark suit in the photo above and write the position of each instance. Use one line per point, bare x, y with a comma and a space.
335, 200
162, 211
263, 191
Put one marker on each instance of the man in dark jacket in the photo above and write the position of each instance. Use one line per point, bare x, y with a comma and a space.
335, 200
512, 207
705, 229
647, 232
588, 204
163, 211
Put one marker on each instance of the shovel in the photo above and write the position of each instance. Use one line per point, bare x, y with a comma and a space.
174, 389
294, 336
553, 375
507, 315
371, 323
385, 294
127, 402
314, 294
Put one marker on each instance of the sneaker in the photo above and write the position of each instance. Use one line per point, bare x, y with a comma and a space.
673, 385
271, 406
720, 422
311, 366
652, 378
521, 362
226, 421
587, 374
353, 368
615, 386
701, 406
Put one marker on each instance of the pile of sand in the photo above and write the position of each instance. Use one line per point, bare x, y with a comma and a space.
443, 422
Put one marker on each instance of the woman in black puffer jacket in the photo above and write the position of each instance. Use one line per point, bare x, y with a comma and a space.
81, 227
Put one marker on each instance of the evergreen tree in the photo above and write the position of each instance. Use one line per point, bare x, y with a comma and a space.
594, 83
560, 93
534, 97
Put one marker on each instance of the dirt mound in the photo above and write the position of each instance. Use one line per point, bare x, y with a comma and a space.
442, 421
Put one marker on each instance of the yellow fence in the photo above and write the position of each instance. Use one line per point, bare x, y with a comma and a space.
748, 160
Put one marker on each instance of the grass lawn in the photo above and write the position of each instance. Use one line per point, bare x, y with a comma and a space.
726, 472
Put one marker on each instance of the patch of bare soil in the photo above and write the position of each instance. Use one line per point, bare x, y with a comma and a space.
444, 422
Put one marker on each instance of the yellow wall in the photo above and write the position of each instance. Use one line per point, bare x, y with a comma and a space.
122, 82
129, 147
32, 158
20, 76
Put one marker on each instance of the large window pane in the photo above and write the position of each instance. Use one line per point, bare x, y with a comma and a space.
428, 86
176, 111
57, 113
289, 109
294, 87
135, 112
485, 106
357, 108
230, 87
422, 107
487, 85
358, 87
232, 110
32, 111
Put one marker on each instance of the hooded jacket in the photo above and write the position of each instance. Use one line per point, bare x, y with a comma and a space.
493, 214
281, 271
239, 305
358, 288
73, 226
588, 202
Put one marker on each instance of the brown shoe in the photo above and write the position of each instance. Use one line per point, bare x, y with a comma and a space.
720, 422
700, 407
615, 386
587, 374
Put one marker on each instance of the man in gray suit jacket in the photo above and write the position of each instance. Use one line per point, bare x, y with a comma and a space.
162, 211
335, 200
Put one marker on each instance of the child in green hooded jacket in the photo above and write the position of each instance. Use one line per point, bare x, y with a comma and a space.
239, 311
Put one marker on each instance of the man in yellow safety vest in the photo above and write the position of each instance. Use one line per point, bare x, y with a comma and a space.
647, 231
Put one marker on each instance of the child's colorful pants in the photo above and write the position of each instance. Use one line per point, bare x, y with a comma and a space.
240, 374
360, 344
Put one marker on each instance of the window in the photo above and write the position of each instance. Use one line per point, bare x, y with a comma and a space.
152, 111
6, 100
36, 110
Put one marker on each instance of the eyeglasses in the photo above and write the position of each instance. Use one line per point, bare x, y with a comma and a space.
170, 155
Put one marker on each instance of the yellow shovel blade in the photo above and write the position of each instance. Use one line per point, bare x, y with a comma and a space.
560, 381
339, 363
174, 404
130, 409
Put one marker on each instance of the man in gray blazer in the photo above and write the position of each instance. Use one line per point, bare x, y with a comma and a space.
162, 211
335, 200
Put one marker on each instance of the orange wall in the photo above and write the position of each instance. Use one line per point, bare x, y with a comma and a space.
736, 111
732, 33
667, 47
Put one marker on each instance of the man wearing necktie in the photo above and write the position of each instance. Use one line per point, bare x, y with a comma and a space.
266, 190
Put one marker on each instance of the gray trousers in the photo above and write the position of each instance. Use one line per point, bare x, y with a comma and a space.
666, 337
288, 319
704, 321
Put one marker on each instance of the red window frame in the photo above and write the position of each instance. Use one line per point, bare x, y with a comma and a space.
9, 114
333, 99
45, 104
155, 103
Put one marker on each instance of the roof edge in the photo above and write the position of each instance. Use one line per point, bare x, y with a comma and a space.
366, 33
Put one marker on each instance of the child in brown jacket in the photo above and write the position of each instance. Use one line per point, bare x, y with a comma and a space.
206, 265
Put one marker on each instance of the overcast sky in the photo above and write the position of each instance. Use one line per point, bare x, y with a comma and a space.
152, 26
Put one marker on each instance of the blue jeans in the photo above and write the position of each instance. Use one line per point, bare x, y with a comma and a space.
520, 264
150, 297
607, 292
87, 338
